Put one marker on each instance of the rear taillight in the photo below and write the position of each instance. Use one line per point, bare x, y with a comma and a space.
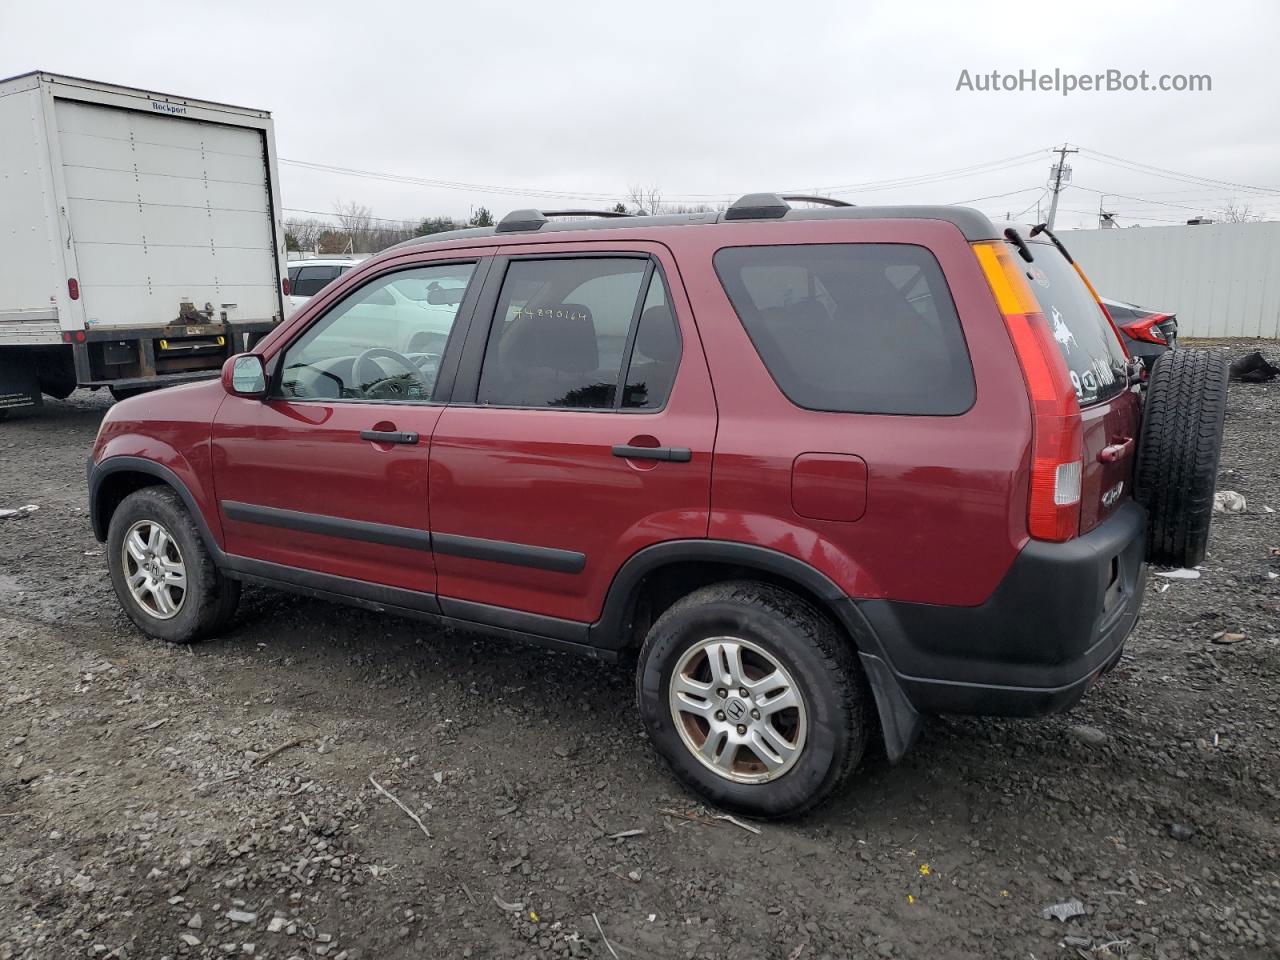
284, 286
1148, 329
1057, 460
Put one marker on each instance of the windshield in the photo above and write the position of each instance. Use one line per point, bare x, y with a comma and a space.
1086, 338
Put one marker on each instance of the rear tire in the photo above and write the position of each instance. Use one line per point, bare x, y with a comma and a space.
205, 603
778, 635
1181, 442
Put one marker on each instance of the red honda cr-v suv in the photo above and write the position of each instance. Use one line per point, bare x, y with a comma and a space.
827, 470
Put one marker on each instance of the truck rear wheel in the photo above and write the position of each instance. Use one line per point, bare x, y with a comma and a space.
1181, 441
124, 393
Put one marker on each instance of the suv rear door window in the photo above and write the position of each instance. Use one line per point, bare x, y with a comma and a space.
311, 280
852, 327
1094, 356
565, 329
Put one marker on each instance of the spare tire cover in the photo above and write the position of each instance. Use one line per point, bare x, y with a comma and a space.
1178, 454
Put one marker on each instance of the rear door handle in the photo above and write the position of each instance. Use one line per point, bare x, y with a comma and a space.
1116, 451
673, 454
389, 436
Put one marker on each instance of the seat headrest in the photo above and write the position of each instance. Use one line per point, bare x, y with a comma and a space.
560, 337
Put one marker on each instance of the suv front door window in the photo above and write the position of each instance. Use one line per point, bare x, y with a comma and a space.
382, 342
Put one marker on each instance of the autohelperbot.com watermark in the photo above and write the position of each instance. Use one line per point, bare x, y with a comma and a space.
1065, 82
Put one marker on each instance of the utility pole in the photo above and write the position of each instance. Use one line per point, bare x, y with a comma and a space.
1060, 172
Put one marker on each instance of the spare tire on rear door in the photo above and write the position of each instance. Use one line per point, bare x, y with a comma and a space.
1178, 454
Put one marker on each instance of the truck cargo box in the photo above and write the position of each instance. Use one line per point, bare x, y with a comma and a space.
142, 240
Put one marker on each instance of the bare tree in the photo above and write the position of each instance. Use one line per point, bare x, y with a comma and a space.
302, 234
1238, 213
356, 221
645, 199
354, 229
649, 200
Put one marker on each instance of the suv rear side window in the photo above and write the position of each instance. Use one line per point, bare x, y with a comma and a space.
566, 329
1095, 358
852, 327
311, 280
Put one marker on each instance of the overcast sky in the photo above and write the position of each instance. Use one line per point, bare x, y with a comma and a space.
704, 101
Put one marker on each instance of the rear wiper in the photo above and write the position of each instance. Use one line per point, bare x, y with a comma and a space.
1013, 237
1040, 228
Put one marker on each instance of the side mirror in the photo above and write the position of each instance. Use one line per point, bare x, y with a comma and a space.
244, 376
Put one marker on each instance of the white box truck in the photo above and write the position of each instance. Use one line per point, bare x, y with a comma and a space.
141, 237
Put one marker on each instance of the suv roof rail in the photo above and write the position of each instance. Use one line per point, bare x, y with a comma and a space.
521, 220
757, 206
585, 213
824, 201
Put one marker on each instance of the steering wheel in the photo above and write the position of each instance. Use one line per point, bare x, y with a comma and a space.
394, 386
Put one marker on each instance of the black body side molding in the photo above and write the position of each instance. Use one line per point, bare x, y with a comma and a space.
502, 551
383, 533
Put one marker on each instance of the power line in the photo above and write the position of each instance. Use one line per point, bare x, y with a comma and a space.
994, 196
1113, 160
972, 170
336, 216
990, 166
1154, 203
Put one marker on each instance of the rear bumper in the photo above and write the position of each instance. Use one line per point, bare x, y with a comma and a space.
1057, 621
131, 357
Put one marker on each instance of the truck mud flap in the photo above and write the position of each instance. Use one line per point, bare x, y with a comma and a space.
19, 386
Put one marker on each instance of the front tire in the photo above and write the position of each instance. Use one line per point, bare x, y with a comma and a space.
163, 574
754, 698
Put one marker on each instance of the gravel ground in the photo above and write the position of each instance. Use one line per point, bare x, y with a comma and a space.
218, 800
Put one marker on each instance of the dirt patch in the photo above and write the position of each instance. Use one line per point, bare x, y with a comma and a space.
140, 812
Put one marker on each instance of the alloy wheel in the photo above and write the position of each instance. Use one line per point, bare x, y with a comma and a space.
738, 710
154, 570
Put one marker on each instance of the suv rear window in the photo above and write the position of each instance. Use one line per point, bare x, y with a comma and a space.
1094, 356
311, 280
852, 327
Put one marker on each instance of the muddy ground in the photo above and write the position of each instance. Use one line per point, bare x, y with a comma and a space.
143, 812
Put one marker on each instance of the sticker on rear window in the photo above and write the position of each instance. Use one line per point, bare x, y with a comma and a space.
1061, 332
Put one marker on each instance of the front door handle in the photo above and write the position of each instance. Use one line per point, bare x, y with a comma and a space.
674, 454
389, 436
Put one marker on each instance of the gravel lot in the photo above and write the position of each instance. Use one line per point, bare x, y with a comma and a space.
145, 812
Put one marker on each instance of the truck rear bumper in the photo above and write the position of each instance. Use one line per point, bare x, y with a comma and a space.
1058, 621
129, 358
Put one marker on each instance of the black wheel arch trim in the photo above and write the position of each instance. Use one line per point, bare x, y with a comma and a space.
612, 630
899, 719
98, 472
